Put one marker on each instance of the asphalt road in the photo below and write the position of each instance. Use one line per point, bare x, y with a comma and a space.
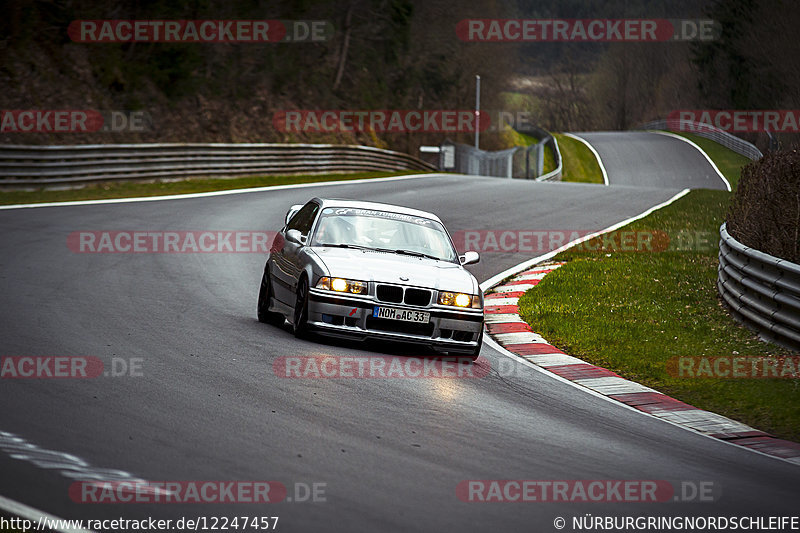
648, 159
390, 452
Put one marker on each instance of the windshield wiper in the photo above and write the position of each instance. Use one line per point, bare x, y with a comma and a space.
344, 245
413, 253
389, 250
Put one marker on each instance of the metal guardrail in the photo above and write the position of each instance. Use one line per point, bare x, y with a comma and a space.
762, 291
740, 146
41, 165
553, 175
535, 171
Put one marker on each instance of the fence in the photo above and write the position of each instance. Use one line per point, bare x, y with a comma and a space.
517, 162
762, 291
41, 165
740, 146
466, 159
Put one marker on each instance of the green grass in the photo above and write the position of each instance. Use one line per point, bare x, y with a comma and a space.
128, 189
549, 163
579, 163
512, 137
549, 160
631, 312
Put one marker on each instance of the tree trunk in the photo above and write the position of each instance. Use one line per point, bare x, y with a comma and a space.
345, 46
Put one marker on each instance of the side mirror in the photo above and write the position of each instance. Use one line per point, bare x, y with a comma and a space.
469, 258
292, 212
294, 235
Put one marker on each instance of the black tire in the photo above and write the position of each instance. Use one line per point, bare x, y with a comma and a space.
264, 295
301, 330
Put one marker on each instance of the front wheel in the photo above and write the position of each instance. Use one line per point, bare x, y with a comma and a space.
264, 296
301, 330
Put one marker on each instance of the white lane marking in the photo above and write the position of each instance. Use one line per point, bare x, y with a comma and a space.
500, 301
503, 318
525, 265
553, 359
609, 385
599, 160
521, 337
531, 277
216, 193
513, 288
68, 465
34, 515
710, 162
544, 269
703, 421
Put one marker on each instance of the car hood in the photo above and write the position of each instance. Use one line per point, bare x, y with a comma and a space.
387, 267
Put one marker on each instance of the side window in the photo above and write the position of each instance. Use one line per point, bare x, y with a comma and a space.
304, 218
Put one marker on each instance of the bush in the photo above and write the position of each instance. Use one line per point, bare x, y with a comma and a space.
765, 211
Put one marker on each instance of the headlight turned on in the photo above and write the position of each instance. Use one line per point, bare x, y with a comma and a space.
342, 285
458, 299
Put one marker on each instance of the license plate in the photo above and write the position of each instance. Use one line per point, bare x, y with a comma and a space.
406, 315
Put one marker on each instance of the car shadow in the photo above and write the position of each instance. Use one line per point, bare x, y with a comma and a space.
383, 347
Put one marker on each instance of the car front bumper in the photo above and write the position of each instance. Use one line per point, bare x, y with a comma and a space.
456, 330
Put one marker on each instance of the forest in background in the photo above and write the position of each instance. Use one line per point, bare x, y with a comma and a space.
391, 54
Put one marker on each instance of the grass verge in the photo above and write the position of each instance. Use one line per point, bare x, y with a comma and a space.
632, 312
129, 189
579, 163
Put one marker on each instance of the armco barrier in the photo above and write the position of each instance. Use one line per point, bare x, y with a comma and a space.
740, 146
41, 165
553, 175
533, 171
762, 291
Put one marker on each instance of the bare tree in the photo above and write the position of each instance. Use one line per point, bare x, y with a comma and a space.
348, 26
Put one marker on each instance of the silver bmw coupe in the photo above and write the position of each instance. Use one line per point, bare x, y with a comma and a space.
363, 270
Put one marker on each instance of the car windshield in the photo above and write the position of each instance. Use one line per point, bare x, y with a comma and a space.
384, 231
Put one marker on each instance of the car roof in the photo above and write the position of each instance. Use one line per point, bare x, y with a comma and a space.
375, 206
